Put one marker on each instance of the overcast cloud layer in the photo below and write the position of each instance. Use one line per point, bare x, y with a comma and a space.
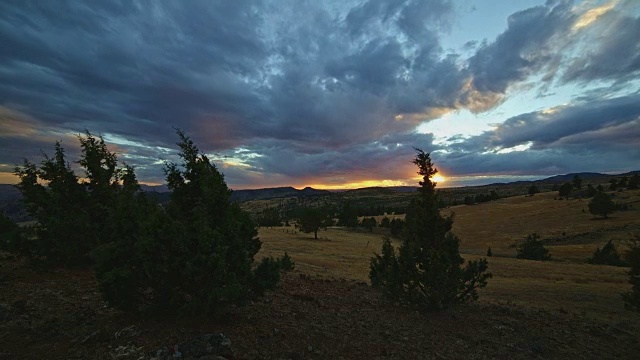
322, 93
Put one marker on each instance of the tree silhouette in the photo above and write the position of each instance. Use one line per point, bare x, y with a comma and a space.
426, 270
602, 205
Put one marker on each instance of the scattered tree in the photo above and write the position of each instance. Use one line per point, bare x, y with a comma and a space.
369, 223
608, 255
269, 217
385, 222
623, 183
311, 220
602, 205
614, 184
397, 227
426, 270
600, 188
632, 298
577, 182
634, 182
533, 190
532, 248
348, 216
489, 252
565, 190
591, 191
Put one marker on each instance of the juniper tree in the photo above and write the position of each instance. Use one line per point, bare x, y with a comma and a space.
602, 205
54, 197
427, 268
632, 298
532, 248
311, 220
193, 256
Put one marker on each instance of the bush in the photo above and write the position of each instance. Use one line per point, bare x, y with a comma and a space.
531, 248
11, 237
426, 270
602, 205
73, 216
195, 256
608, 255
632, 298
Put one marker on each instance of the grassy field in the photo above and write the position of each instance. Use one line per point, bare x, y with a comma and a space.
565, 284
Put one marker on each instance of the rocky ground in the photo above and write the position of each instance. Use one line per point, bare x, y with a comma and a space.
60, 315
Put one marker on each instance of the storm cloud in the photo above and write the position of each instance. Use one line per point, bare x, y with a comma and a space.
306, 92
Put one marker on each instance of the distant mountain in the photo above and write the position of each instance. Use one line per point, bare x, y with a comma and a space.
272, 193
155, 188
583, 176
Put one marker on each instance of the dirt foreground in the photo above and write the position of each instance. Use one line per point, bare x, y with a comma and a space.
60, 315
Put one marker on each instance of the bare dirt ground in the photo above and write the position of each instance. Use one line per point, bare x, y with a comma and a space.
60, 315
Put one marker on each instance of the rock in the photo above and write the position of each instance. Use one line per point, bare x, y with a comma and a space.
127, 352
211, 345
129, 331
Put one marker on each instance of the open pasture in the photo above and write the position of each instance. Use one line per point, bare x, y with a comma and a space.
567, 283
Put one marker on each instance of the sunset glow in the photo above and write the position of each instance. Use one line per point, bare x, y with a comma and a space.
438, 178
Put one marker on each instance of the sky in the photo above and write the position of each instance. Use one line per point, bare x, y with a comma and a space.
328, 94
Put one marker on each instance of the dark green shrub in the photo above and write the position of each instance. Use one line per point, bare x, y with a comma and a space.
71, 221
194, 256
632, 298
532, 248
602, 205
286, 264
608, 255
426, 270
11, 236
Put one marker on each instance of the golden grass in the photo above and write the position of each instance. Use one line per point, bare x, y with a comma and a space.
566, 283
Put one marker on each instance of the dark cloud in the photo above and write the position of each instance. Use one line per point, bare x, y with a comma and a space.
616, 58
527, 46
599, 135
312, 91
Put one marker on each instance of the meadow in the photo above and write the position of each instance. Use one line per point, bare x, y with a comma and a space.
566, 284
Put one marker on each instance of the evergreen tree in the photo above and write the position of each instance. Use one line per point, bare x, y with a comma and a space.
489, 252
269, 217
64, 234
311, 220
194, 256
348, 215
602, 205
565, 190
634, 182
632, 298
533, 190
369, 223
396, 226
608, 255
11, 236
577, 182
532, 248
426, 270
385, 222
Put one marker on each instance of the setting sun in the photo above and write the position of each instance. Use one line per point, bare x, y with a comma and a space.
438, 178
